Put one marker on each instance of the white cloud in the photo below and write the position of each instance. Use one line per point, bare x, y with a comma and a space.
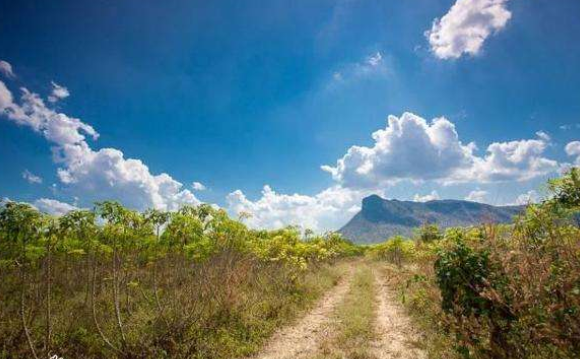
466, 26
573, 150
477, 196
426, 198
370, 66
53, 207
6, 69
107, 174
198, 186
93, 174
543, 136
520, 160
5, 98
327, 210
55, 127
410, 148
375, 60
568, 127
528, 198
31, 177
58, 93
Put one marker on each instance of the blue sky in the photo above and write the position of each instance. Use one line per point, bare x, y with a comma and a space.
239, 95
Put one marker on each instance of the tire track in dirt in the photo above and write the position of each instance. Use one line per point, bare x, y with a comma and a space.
397, 337
302, 338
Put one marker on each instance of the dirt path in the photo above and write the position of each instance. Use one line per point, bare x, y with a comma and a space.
397, 338
302, 339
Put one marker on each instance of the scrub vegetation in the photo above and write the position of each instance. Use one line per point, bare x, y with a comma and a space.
116, 283
112, 282
508, 291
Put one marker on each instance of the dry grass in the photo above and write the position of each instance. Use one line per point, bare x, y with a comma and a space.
416, 290
223, 308
354, 326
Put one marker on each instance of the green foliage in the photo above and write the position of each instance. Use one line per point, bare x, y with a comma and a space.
462, 274
114, 282
21, 227
429, 233
566, 190
395, 250
512, 292
501, 291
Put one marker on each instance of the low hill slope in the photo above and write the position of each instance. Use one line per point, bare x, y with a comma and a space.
380, 218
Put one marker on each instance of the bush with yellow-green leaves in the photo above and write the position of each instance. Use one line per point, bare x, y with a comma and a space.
396, 250
113, 282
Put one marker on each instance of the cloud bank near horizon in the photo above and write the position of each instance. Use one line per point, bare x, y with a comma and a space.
445, 159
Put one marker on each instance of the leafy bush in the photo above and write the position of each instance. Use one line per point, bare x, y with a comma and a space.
429, 233
113, 282
462, 275
516, 293
395, 250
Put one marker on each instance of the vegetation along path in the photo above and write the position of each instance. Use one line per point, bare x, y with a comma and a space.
359, 318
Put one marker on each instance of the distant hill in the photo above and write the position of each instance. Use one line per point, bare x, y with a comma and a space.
380, 218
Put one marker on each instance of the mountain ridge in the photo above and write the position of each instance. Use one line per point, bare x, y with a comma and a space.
381, 218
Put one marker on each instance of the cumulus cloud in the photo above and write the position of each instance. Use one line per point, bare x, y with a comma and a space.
464, 29
53, 206
58, 93
520, 160
58, 128
410, 148
573, 150
327, 210
31, 177
477, 196
106, 173
198, 186
426, 198
6, 69
88, 173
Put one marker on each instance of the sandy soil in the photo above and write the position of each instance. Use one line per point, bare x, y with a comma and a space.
397, 337
302, 339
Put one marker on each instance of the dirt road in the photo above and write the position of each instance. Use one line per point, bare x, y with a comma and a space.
396, 338
301, 339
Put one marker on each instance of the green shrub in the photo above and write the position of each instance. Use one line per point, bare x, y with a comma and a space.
395, 250
515, 292
113, 282
462, 274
